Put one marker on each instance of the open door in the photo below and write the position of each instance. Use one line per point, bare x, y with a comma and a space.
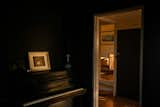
128, 63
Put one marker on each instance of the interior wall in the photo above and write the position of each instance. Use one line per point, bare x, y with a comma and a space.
151, 61
79, 30
106, 49
108, 46
31, 29
35, 29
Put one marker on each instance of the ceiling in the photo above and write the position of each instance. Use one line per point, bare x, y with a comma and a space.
128, 19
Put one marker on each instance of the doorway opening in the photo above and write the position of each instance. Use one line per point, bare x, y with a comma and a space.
118, 53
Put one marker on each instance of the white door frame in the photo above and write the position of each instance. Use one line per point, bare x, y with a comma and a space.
96, 63
96, 57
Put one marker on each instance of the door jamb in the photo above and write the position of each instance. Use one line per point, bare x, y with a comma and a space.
96, 62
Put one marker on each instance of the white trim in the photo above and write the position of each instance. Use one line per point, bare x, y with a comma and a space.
96, 62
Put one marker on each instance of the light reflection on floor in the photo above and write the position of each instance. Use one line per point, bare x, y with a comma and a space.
109, 101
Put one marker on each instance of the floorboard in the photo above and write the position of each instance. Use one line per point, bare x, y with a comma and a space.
110, 101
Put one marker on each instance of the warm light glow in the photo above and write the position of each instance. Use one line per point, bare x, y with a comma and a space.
102, 57
107, 59
111, 61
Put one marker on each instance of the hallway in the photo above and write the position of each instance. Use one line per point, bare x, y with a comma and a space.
110, 101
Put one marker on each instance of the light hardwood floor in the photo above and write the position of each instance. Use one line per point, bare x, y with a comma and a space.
110, 101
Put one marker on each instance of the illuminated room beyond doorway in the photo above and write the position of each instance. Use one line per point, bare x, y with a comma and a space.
114, 42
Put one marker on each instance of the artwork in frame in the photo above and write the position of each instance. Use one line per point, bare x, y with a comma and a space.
39, 61
107, 37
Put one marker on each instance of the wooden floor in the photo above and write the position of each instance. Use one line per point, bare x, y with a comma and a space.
110, 101
107, 76
106, 98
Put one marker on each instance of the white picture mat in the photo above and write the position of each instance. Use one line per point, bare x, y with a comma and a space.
45, 55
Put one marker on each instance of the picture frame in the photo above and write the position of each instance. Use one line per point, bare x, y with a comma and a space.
39, 61
107, 37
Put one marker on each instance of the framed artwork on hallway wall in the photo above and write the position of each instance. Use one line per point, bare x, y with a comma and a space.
39, 61
107, 37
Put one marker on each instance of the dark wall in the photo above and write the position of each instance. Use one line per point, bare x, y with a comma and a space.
79, 30
151, 70
30, 29
35, 29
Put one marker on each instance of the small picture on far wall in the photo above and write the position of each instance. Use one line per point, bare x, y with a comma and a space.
107, 37
39, 61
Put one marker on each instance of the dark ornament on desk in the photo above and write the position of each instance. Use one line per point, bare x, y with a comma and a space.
68, 65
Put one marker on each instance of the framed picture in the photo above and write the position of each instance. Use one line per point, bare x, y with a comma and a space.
39, 61
107, 37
